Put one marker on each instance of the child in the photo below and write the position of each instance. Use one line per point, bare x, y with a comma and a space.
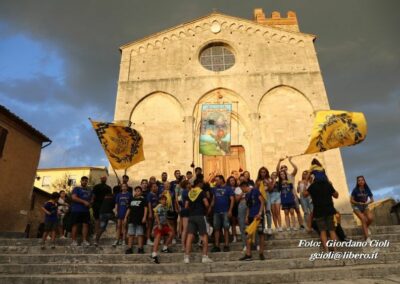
50, 220
317, 171
136, 215
63, 208
162, 228
122, 201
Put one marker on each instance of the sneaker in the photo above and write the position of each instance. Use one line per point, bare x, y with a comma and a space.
302, 228
234, 239
269, 231
226, 249
368, 240
215, 249
85, 244
53, 245
42, 245
288, 229
129, 251
167, 250
246, 258
149, 242
262, 257
258, 248
206, 259
140, 250
155, 259
63, 238
280, 229
74, 244
124, 243
244, 248
186, 259
294, 229
369, 232
174, 241
96, 244
116, 243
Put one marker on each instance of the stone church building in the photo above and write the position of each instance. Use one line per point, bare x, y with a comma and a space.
265, 67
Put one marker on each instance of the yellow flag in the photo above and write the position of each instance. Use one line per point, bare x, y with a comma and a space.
169, 198
252, 229
335, 128
262, 190
123, 145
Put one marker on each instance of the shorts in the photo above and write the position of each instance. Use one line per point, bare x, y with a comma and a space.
80, 218
96, 212
184, 213
172, 215
221, 220
197, 224
104, 218
135, 230
235, 210
275, 197
164, 231
325, 223
360, 208
50, 226
121, 215
287, 206
260, 227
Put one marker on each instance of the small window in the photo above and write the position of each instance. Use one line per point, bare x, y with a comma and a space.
3, 138
46, 181
72, 180
217, 57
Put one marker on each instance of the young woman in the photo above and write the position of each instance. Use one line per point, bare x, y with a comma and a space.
287, 199
263, 177
275, 199
361, 197
232, 183
306, 203
246, 175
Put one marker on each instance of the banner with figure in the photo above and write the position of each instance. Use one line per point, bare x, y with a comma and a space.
335, 128
123, 145
215, 133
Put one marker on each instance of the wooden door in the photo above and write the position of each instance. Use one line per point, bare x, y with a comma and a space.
224, 165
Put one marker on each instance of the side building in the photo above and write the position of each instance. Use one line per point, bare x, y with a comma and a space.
20, 148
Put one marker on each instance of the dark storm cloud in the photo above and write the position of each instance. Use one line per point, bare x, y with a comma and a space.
357, 45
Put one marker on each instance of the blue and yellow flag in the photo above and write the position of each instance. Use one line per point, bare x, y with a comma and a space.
335, 128
123, 145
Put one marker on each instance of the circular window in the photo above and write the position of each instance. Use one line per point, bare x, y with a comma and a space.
217, 57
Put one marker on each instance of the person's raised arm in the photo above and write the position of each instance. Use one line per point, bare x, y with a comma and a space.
279, 165
294, 167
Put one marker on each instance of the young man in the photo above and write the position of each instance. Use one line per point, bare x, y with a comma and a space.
117, 189
136, 216
81, 202
50, 220
197, 204
99, 191
255, 211
105, 214
122, 201
222, 203
321, 194
162, 228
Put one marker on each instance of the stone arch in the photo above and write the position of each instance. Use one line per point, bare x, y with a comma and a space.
159, 117
240, 126
286, 120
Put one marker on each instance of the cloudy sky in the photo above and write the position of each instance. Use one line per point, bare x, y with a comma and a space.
59, 65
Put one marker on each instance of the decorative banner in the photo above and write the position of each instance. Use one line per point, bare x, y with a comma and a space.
334, 129
122, 145
215, 135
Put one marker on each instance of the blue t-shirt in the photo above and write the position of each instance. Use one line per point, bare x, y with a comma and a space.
184, 197
82, 193
361, 196
253, 202
123, 199
152, 198
287, 196
222, 199
52, 208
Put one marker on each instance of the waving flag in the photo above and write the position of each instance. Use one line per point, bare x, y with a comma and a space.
123, 145
335, 128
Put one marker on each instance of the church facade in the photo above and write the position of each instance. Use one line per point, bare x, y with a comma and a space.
265, 68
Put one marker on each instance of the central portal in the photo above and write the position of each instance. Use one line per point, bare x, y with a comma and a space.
225, 165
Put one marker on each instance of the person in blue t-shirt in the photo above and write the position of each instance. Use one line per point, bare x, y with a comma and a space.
50, 219
361, 197
222, 203
82, 199
287, 199
255, 211
122, 201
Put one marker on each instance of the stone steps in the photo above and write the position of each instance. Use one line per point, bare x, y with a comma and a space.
283, 276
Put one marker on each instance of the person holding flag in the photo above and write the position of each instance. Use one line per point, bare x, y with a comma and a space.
264, 184
254, 218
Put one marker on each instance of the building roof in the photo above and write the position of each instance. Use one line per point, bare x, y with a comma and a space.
41, 191
74, 168
24, 124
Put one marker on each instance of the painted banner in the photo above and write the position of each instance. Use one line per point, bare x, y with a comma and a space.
336, 128
215, 133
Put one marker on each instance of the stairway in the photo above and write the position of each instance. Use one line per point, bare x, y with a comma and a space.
23, 261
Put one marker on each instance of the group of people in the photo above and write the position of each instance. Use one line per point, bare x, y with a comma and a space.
191, 206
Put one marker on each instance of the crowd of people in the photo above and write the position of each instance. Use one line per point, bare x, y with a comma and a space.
191, 207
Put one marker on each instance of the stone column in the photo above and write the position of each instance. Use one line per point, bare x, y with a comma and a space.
254, 136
